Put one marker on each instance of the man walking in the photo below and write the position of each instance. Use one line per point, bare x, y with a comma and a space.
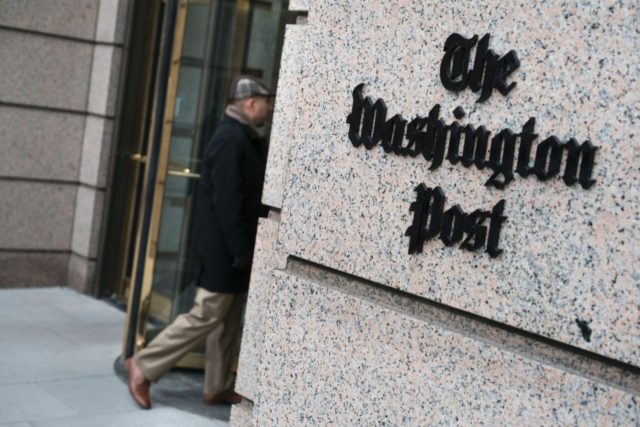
227, 211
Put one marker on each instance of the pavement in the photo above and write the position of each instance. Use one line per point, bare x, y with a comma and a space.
60, 367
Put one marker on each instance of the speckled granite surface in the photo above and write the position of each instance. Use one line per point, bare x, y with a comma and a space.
75, 18
285, 123
494, 334
241, 415
349, 362
266, 258
299, 5
569, 253
336, 350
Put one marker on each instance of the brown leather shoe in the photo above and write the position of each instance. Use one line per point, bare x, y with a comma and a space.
216, 399
138, 385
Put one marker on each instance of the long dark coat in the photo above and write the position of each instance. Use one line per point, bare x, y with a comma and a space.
228, 205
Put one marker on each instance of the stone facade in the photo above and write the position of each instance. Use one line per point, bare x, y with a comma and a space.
354, 330
58, 89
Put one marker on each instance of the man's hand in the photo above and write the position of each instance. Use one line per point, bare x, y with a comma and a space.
242, 262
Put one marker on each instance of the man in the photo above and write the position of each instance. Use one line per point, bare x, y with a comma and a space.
227, 210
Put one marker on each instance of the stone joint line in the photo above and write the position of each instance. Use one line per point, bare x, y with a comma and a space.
565, 357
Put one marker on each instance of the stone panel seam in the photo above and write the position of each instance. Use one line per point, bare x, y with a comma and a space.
54, 109
96, 20
576, 361
89, 82
79, 255
73, 225
50, 181
82, 142
59, 36
35, 251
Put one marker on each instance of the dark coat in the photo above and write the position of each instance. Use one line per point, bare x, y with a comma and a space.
228, 205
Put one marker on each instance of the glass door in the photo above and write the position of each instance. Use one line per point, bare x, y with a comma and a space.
213, 41
134, 125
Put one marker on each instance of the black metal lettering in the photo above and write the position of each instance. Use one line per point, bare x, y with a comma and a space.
453, 154
435, 206
440, 144
495, 226
455, 63
548, 158
475, 146
586, 165
429, 136
503, 146
489, 71
366, 120
506, 65
429, 220
373, 121
475, 230
524, 153
434, 128
354, 119
459, 112
491, 66
427, 217
417, 231
583, 155
452, 227
393, 134
477, 74
416, 137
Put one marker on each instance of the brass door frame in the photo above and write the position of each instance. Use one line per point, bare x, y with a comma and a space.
130, 157
162, 171
145, 246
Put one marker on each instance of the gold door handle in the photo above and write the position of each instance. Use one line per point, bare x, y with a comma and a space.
183, 172
140, 158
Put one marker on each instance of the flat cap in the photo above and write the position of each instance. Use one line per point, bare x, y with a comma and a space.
244, 86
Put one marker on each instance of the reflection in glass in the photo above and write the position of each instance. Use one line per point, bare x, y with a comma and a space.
186, 102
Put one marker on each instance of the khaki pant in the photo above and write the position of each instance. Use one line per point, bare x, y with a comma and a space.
217, 315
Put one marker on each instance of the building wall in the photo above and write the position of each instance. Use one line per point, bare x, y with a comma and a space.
58, 86
345, 327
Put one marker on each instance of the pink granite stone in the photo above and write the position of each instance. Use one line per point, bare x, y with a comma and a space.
331, 358
266, 258
569, 253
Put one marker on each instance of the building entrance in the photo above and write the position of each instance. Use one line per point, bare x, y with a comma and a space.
199, 46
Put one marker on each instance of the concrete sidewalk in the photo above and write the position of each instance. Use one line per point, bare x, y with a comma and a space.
57, 353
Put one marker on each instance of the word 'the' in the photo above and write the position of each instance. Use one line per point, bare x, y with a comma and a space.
489, 69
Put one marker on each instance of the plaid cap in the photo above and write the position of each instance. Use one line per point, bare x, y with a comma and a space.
247, 86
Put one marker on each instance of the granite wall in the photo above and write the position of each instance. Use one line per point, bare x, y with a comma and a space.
539, 324
58, 86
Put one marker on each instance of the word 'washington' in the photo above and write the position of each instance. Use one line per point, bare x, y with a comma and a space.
430, 220
429, 136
